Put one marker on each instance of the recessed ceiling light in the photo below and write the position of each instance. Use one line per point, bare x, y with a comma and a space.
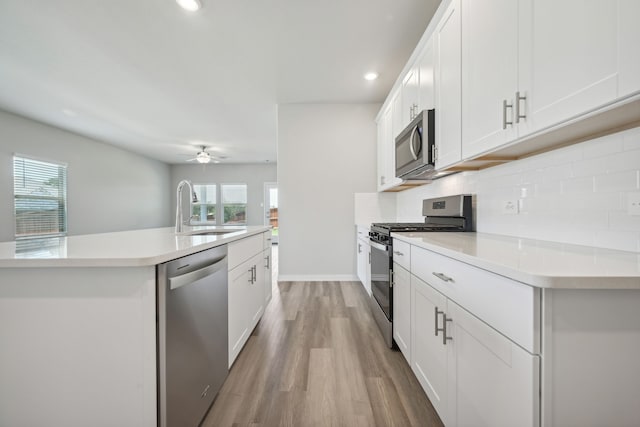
190, 5
371, 76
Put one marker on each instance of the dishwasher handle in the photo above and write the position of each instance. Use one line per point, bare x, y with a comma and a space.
193, 276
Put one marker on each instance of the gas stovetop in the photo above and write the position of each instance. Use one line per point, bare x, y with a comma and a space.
387, 228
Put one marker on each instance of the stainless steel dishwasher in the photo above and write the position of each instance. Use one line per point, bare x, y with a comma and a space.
192, 335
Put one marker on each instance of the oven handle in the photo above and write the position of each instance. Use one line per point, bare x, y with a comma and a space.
377, 245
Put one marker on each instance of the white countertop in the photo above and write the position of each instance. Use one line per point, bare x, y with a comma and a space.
535, 262
119, 249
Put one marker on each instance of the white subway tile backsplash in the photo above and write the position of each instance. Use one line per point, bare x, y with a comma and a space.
631, 139
623, 161
576, 194
621, 221
617, 181
578, 185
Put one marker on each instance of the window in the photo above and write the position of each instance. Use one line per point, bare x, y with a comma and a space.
204, 210
40, 197
234, 204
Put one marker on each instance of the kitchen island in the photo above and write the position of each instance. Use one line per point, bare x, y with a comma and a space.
78, 324
505, 331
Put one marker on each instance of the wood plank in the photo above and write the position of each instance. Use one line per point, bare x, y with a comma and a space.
315, 359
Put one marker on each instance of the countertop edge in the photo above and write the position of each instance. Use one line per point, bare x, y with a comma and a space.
528, 278
141, 261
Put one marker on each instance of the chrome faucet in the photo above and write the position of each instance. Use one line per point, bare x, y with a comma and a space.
194, 199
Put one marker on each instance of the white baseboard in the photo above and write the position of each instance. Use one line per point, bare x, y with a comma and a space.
317, 278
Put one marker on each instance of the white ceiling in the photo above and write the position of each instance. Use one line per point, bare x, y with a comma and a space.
152, 78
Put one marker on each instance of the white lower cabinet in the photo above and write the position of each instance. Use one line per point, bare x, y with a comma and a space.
363, 258
402, 310
473, 375
246, 292
491, 381
268, 275
429, 358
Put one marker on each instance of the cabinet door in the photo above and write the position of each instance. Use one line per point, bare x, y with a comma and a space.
429, 356
363, 251
448, 87
490, 73
629, 40
492, 381
386, 151
426, 66
268, 275
256, 292
568, 58
402, 310
410, 86
239, 297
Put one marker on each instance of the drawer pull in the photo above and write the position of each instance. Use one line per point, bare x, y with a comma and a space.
442, 277
398, 253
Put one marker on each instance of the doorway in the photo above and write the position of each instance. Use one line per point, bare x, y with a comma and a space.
271, 208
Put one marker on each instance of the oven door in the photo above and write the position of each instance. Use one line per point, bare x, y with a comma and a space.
381, 277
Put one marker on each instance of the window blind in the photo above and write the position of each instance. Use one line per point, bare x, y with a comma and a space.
40, 197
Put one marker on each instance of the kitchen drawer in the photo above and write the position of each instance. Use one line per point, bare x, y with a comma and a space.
510, 307
267, 239
402, 253
242, 250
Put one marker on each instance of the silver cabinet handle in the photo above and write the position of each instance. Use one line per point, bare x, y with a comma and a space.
359, 248
391, 278
445, 338
437, 312
268, 259
250, 275
434, 151
519, 116
504, 114
442, 277
369, 257
398, 253
255, 273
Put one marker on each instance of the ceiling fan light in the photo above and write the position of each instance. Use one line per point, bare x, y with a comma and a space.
190, 5
203, 157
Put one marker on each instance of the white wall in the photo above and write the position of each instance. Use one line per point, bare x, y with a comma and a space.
577, 194
254, 175
108, 189
326, 153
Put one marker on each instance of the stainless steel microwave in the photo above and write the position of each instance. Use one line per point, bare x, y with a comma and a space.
414, 148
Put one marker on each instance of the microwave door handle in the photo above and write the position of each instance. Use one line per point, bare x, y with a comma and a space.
411, 148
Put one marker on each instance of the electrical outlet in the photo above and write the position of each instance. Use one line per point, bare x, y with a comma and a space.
633, 203
510, 207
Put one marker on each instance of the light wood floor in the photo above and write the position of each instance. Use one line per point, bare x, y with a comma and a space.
317, 359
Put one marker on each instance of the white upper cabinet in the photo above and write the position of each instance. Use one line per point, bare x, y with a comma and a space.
386, 145
568, 58
489, 73
426, 88
410, 96
629, 42
447, 38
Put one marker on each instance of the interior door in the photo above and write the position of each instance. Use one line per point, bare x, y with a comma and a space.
271, 208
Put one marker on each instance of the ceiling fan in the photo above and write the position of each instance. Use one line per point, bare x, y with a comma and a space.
205, 157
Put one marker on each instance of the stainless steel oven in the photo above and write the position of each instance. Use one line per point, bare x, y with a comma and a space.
382, 297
